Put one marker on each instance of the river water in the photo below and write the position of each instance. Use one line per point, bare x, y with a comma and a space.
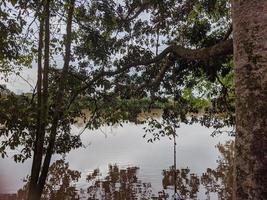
137, 166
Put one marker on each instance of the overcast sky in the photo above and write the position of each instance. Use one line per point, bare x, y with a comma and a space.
18, 85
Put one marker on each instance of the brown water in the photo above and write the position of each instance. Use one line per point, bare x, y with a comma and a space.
118, 163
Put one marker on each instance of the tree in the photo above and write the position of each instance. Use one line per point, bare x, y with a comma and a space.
32, 131
165, 50
39, 174
250, 69
250, 57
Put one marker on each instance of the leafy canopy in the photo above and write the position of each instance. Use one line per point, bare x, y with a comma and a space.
127, 57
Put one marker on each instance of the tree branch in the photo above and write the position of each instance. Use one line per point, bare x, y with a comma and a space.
228, 33
129, 18
223, 48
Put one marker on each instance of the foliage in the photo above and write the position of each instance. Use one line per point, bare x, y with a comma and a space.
119, 36
110, 75
15, 48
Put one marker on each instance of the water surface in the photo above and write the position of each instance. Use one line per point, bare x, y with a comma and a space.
123, 153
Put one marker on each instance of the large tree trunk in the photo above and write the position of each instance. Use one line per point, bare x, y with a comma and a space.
250, 58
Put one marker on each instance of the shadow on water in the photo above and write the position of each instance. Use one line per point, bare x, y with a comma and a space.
125, 184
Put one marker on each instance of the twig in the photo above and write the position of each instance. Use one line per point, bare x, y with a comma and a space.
26, 81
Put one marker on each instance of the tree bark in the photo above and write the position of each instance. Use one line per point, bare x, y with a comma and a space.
250, 58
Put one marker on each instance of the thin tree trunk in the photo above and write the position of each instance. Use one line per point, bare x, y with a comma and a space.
58, 101
37, 157
250, 58
42, 102
45, 75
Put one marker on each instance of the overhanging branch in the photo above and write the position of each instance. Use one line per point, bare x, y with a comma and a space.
223, 48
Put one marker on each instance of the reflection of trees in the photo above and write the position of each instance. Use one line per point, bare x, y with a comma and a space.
219, 180
118, 184
124, 184
187, 183
60, 183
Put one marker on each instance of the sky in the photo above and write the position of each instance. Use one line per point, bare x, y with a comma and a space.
23, 83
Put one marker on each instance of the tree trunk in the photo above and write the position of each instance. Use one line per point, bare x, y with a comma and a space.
42, 102
250, 58
37, 155
58, 101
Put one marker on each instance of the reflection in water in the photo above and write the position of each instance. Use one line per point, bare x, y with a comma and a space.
221, 179
60, 183
187, 183
119, 184
124, 183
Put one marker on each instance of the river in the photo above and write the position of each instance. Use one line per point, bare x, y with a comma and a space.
125, 151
